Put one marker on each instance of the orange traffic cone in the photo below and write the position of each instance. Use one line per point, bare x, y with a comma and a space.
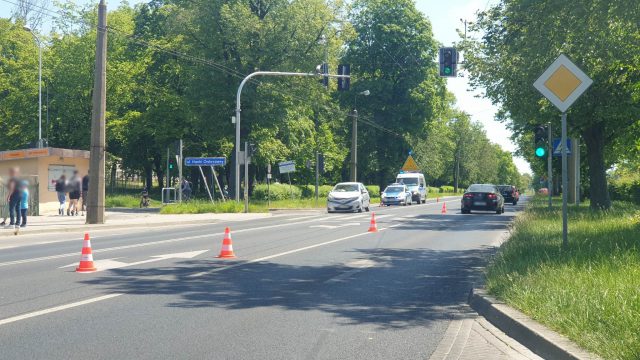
373, 227
227, 246
444, 207
86, 258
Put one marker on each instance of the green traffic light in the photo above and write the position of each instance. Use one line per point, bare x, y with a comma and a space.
447, 70
540, 152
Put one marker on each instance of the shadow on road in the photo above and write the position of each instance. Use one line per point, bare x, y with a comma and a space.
403, 288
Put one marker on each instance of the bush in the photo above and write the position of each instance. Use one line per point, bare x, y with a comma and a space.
446, 189
374, 190
627, 191
433, 190
278, 192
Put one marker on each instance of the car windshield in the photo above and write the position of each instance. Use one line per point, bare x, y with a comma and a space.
481, 188
408, 181
345, 187
394, 189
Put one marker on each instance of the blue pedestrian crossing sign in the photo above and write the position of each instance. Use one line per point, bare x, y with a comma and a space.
557, 148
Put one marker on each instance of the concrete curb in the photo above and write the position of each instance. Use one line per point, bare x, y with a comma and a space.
538, 338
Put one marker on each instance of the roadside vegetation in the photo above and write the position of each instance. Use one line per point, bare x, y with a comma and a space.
591, 291
128, 201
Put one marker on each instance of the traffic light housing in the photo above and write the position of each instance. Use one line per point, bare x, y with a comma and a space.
344, 83
541, 141
324, 70
172, 164
448, 62
252, 150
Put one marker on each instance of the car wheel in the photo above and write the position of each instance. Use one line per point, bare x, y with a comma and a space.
366, 209
424, 201
360, 208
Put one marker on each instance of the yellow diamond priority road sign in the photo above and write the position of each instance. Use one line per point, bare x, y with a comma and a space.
410, 165
563, 83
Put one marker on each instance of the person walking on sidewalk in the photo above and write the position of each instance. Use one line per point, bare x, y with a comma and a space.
61, 185
13, 198
24, 202
74, 188
85, 190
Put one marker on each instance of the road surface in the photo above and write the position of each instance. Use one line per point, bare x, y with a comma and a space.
303, 286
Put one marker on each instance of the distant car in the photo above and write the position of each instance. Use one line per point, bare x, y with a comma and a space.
396, 194
485, 197
416, 184
348, 196
510, 193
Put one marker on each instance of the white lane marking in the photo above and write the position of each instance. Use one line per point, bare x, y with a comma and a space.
334, 226
57, 308
109, 264
286, 253
124, 247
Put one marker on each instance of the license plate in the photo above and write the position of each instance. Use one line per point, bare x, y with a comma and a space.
480, 203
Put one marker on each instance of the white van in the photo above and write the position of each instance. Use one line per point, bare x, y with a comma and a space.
416, 184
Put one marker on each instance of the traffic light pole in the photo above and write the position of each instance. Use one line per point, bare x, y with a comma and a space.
246, 177
565, 182
239, 109
550, 166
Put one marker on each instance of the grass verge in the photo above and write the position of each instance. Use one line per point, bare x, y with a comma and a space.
127, 201
591, 291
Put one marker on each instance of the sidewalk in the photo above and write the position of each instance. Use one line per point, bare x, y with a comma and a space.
119, 220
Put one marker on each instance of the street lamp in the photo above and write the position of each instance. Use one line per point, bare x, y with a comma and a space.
39, 84
354, 136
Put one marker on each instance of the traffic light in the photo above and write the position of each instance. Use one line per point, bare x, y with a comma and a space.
321, 163
448, 62
172, 163
252, 149
344, 83
540, 140
324, 70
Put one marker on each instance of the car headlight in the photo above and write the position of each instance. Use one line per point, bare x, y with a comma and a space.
330, 198
383, 194
414, 192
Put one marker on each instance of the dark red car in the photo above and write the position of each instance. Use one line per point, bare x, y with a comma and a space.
510, 193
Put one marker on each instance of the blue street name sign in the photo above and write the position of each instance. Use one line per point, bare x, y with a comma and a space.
205, 161
557, 149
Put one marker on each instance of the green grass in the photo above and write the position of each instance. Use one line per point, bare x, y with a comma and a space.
436, 195
202, 207
590, 291
127, 201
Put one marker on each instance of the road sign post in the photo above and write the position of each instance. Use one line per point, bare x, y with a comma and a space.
562, 84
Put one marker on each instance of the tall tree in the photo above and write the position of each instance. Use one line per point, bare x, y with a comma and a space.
520, 38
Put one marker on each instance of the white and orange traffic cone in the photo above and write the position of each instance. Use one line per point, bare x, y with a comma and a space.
86, 258
373, 227
227, 246
444, 207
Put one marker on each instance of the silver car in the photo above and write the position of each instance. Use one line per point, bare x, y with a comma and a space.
348, 196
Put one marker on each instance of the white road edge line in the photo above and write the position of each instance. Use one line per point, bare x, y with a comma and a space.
57, 308
269, 257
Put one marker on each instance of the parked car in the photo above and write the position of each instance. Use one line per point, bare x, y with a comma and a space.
396, 194
348, 196
510, 193
416, 184
484, 197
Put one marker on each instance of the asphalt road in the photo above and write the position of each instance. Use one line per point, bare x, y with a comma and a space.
304, 286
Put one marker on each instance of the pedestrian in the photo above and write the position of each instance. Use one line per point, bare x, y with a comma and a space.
85, 190
13, 198
186, 189
61, 185
4, 210
74, 187
24, 202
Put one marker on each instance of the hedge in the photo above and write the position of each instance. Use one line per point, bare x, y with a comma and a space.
627, 191
281, 191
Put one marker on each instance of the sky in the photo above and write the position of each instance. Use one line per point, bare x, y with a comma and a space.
444, 20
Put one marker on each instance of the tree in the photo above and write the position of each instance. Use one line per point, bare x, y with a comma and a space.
521, 38
392, 55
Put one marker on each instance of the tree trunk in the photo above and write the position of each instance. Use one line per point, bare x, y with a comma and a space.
599, 192
148, 176
157, 163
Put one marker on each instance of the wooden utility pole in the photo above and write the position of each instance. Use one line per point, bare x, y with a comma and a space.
95, 206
